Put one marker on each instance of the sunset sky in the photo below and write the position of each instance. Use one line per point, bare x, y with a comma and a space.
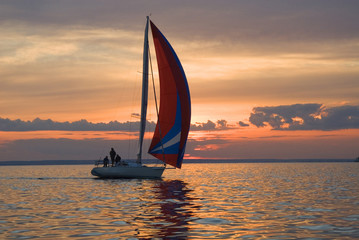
268, 79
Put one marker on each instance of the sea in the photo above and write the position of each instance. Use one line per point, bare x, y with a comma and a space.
200, 201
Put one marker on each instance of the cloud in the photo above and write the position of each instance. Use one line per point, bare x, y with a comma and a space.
82, 125
222, 124
310, 116
71, 60
243, 124
38, 49
253, 19
209, 125
265, 27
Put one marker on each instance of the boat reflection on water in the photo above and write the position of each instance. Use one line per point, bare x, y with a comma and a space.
176, 208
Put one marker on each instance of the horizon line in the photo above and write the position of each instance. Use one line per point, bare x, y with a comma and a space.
186, 161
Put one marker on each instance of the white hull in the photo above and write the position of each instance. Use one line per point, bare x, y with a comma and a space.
128, 172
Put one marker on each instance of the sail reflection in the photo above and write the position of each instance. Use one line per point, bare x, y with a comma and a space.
176, 208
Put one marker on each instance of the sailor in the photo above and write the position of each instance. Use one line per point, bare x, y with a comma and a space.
112, 155
105, 162
118, 160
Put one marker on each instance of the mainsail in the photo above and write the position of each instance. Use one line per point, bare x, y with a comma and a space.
144, 99
170, 136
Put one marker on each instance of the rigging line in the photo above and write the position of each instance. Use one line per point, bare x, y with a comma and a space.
155, 96
131, 145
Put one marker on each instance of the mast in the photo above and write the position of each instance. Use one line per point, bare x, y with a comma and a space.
144, 98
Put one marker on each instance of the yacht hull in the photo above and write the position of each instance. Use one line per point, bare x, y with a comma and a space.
128, 172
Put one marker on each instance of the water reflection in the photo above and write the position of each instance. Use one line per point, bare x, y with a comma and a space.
146, 208
175, 205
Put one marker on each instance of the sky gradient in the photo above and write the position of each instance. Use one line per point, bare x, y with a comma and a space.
268, 79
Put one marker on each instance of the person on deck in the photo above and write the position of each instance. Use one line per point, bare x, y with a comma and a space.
118, 160
112, 155
105, 162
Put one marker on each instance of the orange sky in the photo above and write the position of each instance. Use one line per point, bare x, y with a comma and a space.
65, 62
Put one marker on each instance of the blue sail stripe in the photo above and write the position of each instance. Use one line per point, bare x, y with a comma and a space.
175, 130
170, 143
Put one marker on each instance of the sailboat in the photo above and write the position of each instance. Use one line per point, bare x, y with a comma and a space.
174, 114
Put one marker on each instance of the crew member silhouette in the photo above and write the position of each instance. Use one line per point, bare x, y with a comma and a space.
118, 160
105, 162
112, 155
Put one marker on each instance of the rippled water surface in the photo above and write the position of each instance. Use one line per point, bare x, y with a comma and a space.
201, 201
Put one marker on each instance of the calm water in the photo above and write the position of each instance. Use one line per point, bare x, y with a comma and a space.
213, 201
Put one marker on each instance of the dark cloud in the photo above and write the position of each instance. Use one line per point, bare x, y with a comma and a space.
306, 117
243, 124
222, 124
209, 125
82, 125
277, 19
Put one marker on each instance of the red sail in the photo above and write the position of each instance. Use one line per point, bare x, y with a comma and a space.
170, 137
